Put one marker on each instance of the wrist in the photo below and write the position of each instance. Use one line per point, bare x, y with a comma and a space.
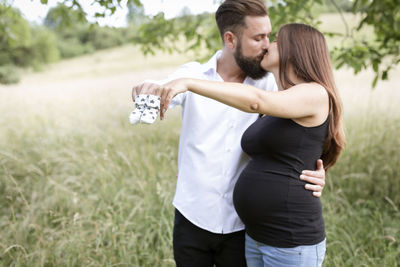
191, 84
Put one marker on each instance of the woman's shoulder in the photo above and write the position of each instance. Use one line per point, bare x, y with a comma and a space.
317, 99
312, 88
310, 85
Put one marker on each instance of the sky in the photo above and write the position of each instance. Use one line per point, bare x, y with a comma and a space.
34, 11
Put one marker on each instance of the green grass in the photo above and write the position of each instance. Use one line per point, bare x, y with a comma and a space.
91, 190
361, 201
79, 186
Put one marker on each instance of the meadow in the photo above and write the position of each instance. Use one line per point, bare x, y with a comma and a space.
80, 186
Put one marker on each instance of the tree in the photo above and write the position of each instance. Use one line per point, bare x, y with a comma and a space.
136, 14
22, 45
199, 31
15, 36
382, 52
62, 16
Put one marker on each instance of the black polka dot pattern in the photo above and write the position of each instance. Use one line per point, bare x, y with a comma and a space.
146, 109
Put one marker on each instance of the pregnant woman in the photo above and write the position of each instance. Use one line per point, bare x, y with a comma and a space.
299, 124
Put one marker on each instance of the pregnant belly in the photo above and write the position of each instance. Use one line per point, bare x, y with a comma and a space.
266, 198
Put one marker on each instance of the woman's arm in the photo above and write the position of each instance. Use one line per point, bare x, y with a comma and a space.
302, 100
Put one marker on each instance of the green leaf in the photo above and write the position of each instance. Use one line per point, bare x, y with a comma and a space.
375, 81
375, 66
385, 75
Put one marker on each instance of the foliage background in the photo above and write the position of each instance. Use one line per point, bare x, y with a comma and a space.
187, 32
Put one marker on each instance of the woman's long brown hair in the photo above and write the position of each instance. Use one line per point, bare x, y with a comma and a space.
303, 49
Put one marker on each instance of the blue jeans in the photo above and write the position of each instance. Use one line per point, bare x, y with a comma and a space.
261, 255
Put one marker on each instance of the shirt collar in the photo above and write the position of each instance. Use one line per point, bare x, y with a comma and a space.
210, 67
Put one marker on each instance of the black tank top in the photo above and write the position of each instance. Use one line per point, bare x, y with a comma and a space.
269, 196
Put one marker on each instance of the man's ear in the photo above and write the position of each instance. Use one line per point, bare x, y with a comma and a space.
230, 40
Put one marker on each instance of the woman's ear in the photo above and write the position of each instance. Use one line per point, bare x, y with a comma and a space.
230, 40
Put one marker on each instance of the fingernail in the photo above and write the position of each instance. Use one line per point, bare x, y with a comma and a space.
301, 176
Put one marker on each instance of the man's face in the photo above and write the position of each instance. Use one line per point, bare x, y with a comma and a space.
252, 46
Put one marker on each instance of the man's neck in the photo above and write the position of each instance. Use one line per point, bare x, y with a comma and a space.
228, 69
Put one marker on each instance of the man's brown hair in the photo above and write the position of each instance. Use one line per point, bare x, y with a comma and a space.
231, 14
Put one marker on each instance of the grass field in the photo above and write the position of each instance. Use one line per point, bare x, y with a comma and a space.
79, 186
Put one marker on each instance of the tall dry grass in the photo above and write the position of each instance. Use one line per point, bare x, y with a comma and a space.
79, 186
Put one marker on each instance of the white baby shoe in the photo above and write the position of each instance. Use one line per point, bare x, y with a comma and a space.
153, 101
140, 100
140, 106
146, 109
135, 115
149, 115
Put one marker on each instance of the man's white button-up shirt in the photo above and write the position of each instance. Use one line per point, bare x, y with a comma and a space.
210, 157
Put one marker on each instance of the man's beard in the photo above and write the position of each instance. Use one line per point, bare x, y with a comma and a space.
251, 66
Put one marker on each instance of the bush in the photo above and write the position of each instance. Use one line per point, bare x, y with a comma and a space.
31, 46
45, 46
15, 37
106, 37
5, 58
9, 74
72, 47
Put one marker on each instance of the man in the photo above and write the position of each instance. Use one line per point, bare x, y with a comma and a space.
207, 230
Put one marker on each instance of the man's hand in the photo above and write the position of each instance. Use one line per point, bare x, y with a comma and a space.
316, 179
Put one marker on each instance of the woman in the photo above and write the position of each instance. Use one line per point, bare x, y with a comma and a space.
303, 122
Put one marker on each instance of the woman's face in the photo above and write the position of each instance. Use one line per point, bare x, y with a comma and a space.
270, 61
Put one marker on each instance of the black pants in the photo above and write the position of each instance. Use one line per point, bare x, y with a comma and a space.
194, 246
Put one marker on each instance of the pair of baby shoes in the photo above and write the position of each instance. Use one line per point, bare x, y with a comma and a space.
146, 109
